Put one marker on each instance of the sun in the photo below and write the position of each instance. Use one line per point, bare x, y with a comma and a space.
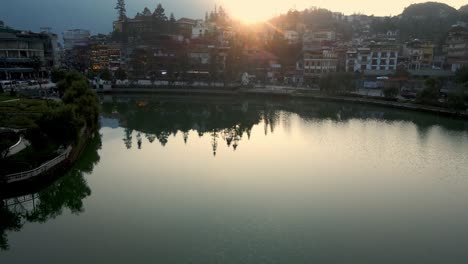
251, 11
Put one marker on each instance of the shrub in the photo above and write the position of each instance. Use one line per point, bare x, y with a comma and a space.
390, 92
456, 100
430, 94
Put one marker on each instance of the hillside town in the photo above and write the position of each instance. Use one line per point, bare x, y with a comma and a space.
295, 49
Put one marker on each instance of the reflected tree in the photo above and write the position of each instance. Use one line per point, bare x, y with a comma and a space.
229, 119
9, 221
66, 192
128, 138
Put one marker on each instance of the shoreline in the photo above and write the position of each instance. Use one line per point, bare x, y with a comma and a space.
294, 93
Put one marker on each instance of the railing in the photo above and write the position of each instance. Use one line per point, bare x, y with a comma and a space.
39, 170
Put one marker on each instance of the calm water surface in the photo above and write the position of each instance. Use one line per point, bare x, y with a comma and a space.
236, 180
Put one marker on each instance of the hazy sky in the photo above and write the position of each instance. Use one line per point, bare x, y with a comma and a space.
97, 15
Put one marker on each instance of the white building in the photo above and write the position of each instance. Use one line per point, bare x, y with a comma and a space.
200, 29
376, 58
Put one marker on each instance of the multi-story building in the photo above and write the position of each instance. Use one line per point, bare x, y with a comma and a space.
185, 26
318, 54
163, 54
26, 54
457, 47
263, 64
419, 54
200, 29
319, 62
376, 58
105, 56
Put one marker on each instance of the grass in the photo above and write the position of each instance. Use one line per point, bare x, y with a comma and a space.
23, 113
6, 97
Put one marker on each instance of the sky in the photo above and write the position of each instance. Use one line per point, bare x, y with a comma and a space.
98, 15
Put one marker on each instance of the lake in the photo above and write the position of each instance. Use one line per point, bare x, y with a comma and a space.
173, 179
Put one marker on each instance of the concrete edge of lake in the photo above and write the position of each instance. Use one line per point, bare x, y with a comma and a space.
293, 93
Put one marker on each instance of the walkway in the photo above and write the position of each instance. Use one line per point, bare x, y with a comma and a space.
10, 101
18, 147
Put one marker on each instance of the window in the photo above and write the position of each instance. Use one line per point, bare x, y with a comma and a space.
384, 54
374, 62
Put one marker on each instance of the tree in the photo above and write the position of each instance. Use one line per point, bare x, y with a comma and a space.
159, 14
120, 7
172, 18
390, 92
456, 100
461, 76
61, 125
430, 94
172, 24
121, 74
66, 82
36, 65
146, 12
337, 82
57, 75
214, 66
106, 75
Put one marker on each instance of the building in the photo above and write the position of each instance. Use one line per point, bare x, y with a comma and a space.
263, 64
200, 29
320, 36
312, 41
319, 62
457, 47
76, 38
105, 56
419, 54
185, 26
26, 54
374, 59
163, 55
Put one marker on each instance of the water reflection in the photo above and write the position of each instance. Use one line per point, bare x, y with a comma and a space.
230, 120
67, 192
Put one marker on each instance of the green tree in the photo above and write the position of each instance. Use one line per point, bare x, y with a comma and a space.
66, 82
430, 94
391, 92
159, 14
85, 100
9, 221
337, 83
121, 74
456, 100
57, 75
120, 7
461, 76
106, 75
61, 125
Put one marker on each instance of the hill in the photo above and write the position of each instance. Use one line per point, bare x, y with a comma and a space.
429, 20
